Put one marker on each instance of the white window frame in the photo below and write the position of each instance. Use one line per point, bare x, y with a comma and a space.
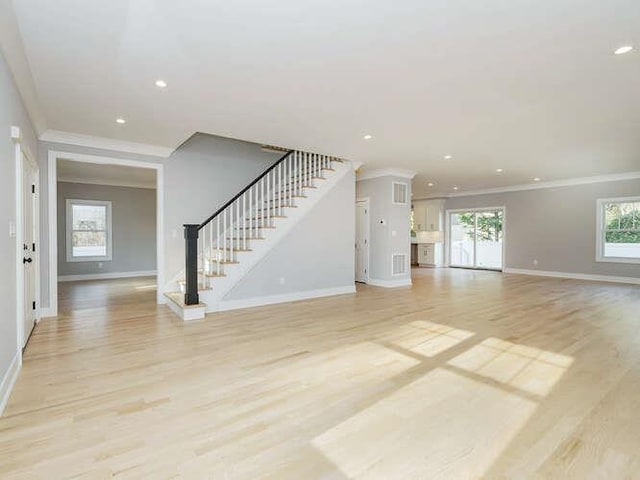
406, 193
600, 230
69, 230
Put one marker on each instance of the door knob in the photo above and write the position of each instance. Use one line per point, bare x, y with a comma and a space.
27, 260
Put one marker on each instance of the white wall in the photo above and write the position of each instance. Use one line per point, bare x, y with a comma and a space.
12, 113
394, 236
317, 255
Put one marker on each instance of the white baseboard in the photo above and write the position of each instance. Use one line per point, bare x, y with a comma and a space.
404, 282
105, 276
574, 276
47, 312
283, 298
9, 380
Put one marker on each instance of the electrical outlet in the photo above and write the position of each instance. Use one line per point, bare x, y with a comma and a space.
281, 280
12, 229
535, 262
393, 233
100, 264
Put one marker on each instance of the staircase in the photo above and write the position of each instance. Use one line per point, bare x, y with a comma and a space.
224, 248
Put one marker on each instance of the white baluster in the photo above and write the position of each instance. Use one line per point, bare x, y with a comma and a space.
218, 245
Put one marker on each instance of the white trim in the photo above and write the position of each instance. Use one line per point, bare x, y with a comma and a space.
570, 182
53, 155
106, 276
69, 203
403, 282
574, 276
386, 172
600, 231
109, 183
283, 298
9, 380
447, 234
46, 312
367, 202
103, 143
19, 225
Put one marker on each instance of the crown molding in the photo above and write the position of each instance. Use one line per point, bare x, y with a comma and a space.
103, 143
570, 182
386, 172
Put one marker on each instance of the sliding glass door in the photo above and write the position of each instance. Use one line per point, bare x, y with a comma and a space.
476, 238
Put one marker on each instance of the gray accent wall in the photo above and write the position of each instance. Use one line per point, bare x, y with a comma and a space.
133, 219
318, 254
12, 113
555, 226
394, 235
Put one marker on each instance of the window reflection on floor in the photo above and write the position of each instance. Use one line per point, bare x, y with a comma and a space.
455, 418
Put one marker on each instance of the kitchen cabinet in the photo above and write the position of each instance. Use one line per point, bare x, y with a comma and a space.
427, 215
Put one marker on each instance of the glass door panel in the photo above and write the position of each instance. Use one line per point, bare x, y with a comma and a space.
489, 234
461, 239
476, 239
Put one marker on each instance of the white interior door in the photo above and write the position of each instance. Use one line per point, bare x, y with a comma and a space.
29, 212
362, 241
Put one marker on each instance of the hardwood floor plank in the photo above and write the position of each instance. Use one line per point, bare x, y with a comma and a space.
464, 375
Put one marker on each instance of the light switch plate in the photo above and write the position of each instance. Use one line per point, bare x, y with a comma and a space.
12, 229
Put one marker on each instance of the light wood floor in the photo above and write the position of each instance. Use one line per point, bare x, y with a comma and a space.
465, 375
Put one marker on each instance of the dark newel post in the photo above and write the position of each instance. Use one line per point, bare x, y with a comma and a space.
191, 264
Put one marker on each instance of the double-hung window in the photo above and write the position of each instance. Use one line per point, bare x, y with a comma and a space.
88, 230
618, 236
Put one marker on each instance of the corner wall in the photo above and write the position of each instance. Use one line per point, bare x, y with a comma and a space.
555, 226
388, 238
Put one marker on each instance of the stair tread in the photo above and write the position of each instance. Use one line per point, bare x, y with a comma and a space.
248, 227
178, 299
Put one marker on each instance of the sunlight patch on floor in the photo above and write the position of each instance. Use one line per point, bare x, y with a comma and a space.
527, 368
442, 426
427, 338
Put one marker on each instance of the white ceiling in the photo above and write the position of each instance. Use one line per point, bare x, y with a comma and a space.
529, 86
99, 174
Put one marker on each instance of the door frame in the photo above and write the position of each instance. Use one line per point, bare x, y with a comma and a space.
52, 198
22, 151
367, 202
447, 236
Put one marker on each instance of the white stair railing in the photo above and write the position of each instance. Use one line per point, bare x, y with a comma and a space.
244, 218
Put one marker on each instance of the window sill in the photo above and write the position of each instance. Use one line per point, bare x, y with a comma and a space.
630, 261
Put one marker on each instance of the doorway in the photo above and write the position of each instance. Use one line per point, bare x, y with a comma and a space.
362, 240
76, 235
29, 248
476, 238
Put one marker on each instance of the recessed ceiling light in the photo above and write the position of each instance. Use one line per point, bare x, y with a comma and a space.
368, 137
499, 170
536, 179
161, 83
455, 188
120, 120
448, 157
623, 50
430, 184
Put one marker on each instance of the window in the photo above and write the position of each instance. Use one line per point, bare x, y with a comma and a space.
88, 230
618, 237
399, 193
